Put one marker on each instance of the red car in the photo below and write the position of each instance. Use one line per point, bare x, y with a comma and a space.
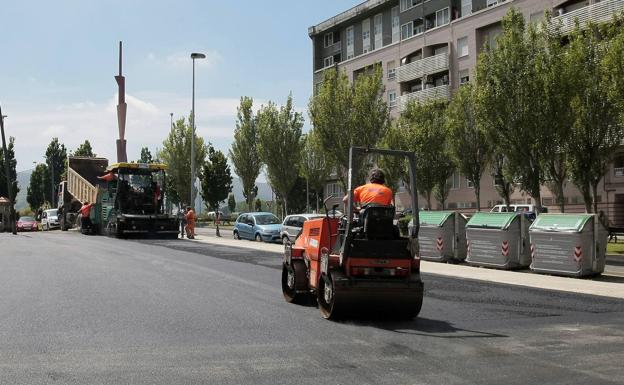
27, 224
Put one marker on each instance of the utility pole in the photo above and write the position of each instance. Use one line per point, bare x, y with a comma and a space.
8, 175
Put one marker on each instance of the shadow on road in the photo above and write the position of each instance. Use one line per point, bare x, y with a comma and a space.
426, 327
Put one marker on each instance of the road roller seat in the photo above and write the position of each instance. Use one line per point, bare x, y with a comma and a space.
377, 222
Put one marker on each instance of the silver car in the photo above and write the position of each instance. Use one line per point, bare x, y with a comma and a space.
293, 224
49, 219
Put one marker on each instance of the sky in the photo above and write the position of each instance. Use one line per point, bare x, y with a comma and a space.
59, 58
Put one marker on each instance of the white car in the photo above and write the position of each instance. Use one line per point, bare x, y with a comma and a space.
49, 219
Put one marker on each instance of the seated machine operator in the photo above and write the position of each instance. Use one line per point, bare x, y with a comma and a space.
374, 192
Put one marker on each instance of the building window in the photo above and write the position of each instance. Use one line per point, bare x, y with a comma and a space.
462, 46
407, 4
334, 189
536, 17
407, 30
396, 24
350, 40
391, 69
491, 3
618, 166
317, 87
329, 39
392, 98
378, 30
469, 184
466, 7
366, 35
442, 17
328, 62
464, 76
454, 181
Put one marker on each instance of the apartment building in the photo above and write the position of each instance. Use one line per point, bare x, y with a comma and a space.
429, 48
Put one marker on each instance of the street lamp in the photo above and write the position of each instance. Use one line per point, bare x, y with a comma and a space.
194, 56
171, 122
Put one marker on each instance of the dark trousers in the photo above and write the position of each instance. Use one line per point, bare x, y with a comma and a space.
86, 224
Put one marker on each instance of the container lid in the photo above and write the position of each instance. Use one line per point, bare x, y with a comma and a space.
560, 222
434, 218
491, 220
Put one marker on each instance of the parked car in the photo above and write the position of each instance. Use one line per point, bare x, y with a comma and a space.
27, 224
293, 223
258, 226
49, 219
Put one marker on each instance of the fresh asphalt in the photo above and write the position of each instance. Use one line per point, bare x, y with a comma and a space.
93, 310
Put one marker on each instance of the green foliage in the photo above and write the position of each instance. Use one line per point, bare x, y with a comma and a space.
146, 156
36, 194
84, 150
395, 168
614, 73
425, 135
596, 131
468, 142
56, 158
231, 202
12, 172
176, 153
314, 166
216, 179
404, 224
244, 152
507, 101
279, 132
345, 115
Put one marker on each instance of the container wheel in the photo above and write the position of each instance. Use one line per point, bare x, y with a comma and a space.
294, 282
327, 298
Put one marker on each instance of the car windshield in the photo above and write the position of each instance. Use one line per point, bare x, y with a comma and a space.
27, 219
266, 219
52, 213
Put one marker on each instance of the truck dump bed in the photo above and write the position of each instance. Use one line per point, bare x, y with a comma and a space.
82, 177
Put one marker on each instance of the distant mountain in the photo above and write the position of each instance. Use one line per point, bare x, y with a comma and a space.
23, 180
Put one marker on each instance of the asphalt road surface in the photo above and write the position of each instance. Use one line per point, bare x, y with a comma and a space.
93, 310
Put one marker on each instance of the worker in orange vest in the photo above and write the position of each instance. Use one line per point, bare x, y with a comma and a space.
190, 222
85, 220
374, 192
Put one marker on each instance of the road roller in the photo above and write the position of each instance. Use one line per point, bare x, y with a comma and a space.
357, 264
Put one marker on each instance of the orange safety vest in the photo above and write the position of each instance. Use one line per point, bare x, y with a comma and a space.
85, 210
373, 193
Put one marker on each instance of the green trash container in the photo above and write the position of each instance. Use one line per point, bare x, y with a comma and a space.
568, 244
498, 240
442, 236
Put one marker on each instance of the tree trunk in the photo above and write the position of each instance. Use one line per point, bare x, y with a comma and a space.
428, 197
595, 195
477, 188
587, 199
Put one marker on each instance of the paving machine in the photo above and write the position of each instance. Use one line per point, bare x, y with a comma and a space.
357, 263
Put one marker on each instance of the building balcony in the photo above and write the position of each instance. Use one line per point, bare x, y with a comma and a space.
439, 92
422, 67
598, 13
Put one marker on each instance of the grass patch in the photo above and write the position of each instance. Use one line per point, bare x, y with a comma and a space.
615, 248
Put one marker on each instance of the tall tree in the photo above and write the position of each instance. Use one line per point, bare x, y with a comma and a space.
346, 115
56, 160
231, 202
614, 63
395, 168
424, 129
314, 166
596, 131
176, 153
216, 181
279, 133
554, 111
244, 152
146, 156
85, 150
12, 172
35, 193
469, 144
508, 96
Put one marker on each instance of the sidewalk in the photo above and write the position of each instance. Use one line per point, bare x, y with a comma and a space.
610, 284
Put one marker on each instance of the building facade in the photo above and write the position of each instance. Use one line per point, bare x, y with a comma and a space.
427, 49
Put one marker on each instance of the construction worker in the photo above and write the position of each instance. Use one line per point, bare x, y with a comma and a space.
85, 220
374, 192
182, 218
190, 223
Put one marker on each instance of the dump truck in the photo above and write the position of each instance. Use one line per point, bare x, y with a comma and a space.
360, 263
128, 198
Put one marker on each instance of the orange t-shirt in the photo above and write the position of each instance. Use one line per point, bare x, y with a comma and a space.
190, 217
373, 193
86, 210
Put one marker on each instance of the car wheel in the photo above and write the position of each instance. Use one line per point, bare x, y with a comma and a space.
236, 236
285, 239
258, 238
47, 227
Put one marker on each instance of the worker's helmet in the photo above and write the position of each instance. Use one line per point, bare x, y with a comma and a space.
377, 176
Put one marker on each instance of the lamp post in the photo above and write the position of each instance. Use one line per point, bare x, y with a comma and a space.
194, 56
171, 121
8, 176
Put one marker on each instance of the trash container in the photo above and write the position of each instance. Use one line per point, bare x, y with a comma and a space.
568, 244
499, 240
442, 236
